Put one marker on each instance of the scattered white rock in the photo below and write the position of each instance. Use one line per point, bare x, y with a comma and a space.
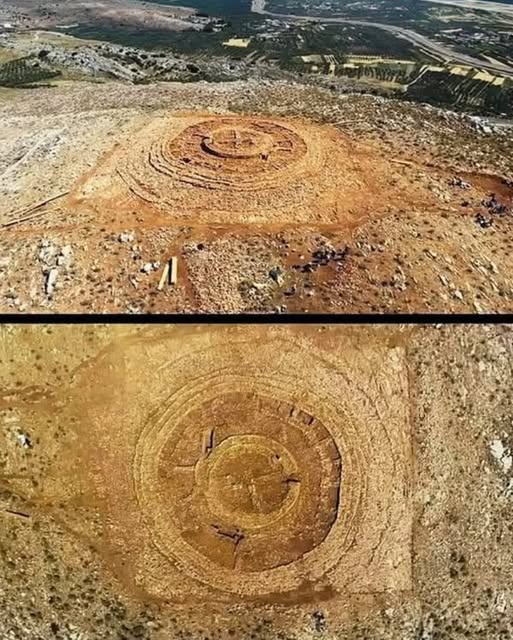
502, 455
459, 182
500, 602
126, 237
51, 281
133, 309
508, 491
276, 273
64, 257
24, 440
497, 449
47, 252
148, 267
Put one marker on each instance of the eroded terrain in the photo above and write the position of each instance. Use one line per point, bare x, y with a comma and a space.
25, 14
256, 482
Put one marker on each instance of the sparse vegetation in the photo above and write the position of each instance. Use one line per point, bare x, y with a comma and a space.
24, 72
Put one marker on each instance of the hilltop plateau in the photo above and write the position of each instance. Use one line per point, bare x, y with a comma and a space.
267, 196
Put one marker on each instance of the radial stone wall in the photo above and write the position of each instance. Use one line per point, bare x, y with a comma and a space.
243, 468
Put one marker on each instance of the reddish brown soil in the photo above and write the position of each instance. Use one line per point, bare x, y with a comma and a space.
264, 213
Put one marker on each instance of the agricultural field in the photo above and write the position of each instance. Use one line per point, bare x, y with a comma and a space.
467, 30
24, 72
338, 40
450, 90
266, 41
454, 88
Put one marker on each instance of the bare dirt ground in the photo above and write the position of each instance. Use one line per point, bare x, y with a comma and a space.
272, 196
264, 482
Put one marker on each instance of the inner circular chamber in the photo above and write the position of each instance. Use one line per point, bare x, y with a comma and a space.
237, 142
250, 479
230, 154
249, 482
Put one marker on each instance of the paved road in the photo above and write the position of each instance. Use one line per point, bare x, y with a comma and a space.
258, 6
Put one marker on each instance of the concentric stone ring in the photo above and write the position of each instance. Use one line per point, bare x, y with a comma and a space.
222, 154
240, 473
242, 489
232, 481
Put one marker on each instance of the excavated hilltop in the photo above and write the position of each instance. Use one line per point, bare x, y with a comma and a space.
265, 196
263, 482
